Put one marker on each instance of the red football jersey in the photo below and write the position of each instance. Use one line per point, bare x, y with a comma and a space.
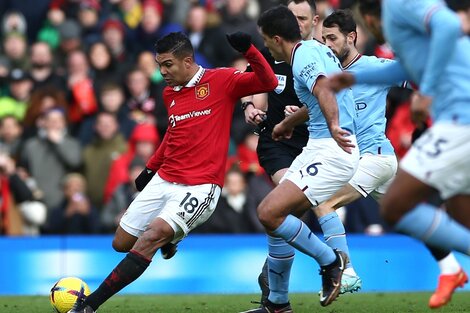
194, 149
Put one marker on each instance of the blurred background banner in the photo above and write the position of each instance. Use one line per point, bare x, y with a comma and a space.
208, 264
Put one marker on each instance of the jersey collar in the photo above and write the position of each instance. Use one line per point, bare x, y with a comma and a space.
194, 81
357, 57
294, 49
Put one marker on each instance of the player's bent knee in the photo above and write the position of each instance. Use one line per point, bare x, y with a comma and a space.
120, 246
264, 214
157, 236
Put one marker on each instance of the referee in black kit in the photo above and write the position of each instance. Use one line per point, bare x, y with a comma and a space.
267, 110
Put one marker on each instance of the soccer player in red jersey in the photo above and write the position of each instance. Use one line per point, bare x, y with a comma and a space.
190, 162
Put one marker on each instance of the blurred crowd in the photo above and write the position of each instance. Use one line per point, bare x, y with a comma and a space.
81, 110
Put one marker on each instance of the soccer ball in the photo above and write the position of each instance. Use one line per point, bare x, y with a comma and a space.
66, 291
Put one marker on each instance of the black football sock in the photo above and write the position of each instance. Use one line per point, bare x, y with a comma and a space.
128, 270
438, 254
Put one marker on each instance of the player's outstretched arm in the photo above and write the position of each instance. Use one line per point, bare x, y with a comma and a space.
262, 79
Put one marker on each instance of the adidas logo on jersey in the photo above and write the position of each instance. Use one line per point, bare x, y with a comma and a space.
180, 214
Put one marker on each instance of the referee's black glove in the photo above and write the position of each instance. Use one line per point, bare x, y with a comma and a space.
143, 179
239, 41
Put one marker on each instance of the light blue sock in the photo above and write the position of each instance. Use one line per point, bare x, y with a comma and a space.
334, 233
436, 228
280, 259
297, 234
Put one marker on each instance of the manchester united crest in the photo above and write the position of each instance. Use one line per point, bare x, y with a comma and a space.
202, 91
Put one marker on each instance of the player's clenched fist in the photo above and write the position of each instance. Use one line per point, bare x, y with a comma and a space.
239, 41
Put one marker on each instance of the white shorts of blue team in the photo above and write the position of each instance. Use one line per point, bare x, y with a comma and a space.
322, 168
374, 174
440, 159
183, 207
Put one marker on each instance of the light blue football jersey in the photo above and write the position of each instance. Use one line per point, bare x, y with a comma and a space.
370, 108
310, 60
428, 41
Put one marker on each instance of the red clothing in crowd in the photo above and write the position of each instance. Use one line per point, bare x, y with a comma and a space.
119, 170
194, 150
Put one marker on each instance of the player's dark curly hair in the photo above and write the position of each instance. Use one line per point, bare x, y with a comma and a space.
458, 5
343, 19
176, 43
280, 21
370, 7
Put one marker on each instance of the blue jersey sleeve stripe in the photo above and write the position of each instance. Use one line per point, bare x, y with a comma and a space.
315, 82
429, 14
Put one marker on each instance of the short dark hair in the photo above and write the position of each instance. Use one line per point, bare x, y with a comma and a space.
370, 7
176, 43
458, 5
343, 19
280, 21
311, 3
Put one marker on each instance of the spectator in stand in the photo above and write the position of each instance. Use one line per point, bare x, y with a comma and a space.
20, 91
70, 40
18, 214
107, 145
146, 63
195, 26
89, 19
14, 21
234, 18
75, 215
4, 75
11, 130
400, 127
208, 40
15, 49
112, 101
83, 101
143, 143
124, 194
60, 10
141, 101
42, 100
34, 13
50, 155
42, 70
152, 26
103, 67
115, 36
248, 156
236, 209
131, 12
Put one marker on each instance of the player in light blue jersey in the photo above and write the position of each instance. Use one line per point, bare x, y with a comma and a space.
378, 163
326, 163
432, 51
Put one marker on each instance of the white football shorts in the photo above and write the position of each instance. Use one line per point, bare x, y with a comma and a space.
374, 174
322, 168
183, 207
439, 158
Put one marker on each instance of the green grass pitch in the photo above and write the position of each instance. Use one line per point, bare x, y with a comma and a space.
301, 303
